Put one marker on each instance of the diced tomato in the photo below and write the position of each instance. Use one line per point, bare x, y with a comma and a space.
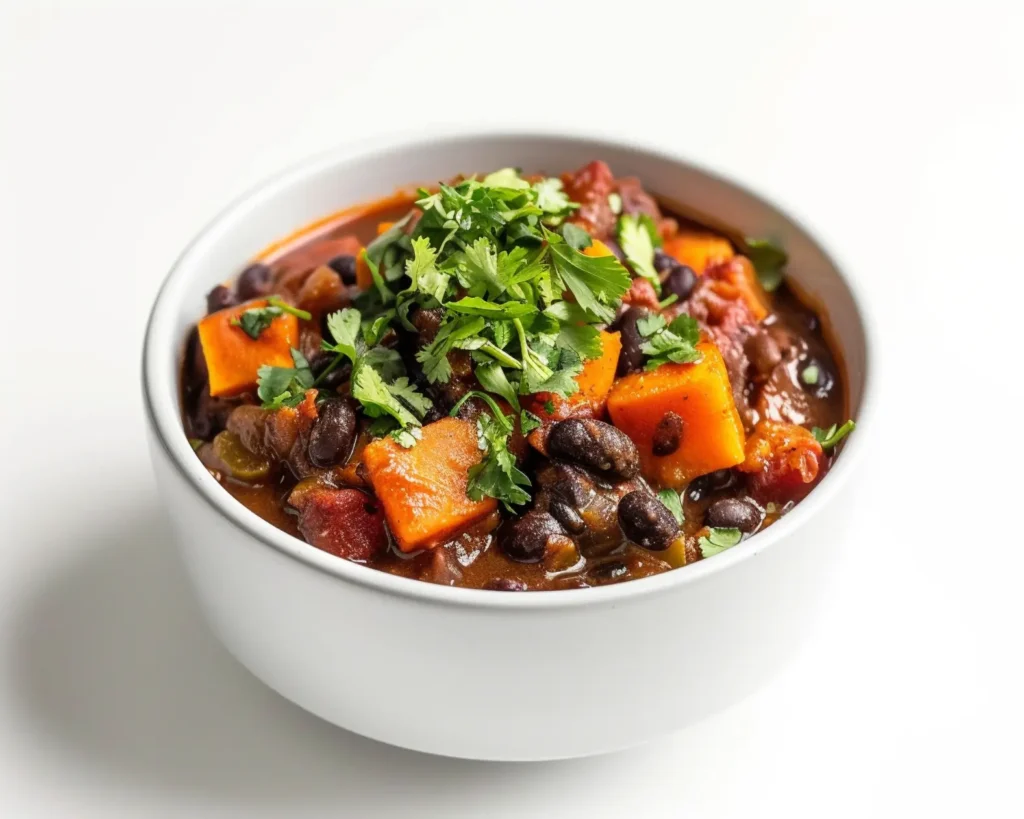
345, 522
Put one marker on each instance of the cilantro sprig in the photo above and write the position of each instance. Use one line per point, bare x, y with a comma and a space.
829, 438
769, 260
676, 342
496, 476
718, 540
257, 319
638, 237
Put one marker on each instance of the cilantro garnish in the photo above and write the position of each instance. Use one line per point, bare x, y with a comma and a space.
768, 260
828, 438
718, 540
675, 342
528, 422
638, 237
810, 375
257, 319
284, 386
672, 502
597, 282
496, 476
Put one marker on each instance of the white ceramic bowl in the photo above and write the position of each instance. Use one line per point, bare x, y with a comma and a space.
482, 674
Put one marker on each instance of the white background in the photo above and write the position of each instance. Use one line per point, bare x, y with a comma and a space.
899, 127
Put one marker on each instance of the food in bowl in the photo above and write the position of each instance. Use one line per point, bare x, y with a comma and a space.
516, 383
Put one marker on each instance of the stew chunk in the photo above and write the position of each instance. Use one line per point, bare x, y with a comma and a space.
700, 398
423, 489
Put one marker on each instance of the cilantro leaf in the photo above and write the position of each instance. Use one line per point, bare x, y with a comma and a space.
344, 326
528, 422
670, 498
505, 178
635, 239
583, 339
718, 540
257, 319
675, 343
497, 476
829, 438
576, 236
478, 270
493, 379
423, 273
768, 260
284, 386
416, 401
550, 196
473, 306
370, 390
597, 282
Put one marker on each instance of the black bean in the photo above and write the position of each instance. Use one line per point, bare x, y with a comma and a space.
568, 516
610, 571
677, 278
596, 445
570, 484
321, 360
219, 298
344, 266
254, 282
680, 282
733, 513
334, 432
631, 359
763, 352
526, 539
668, 434
647, 522
506, 584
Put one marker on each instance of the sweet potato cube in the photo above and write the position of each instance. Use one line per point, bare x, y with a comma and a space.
595, 382
233, 358
698, 249
423, 488
712, 433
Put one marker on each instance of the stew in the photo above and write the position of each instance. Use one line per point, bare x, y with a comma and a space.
515, 383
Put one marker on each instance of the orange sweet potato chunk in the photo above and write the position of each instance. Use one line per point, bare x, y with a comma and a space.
712, 433
595, 382
698, 249
423, 488
233, 358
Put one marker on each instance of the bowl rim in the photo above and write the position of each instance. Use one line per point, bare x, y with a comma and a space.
164, 421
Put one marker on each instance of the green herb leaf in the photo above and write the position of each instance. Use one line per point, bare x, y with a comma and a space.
370, 390
829, 438
528, 422
422, 271
493, 379
635, 234
550, 196
810, 375
284, 386
615, 203
768, 260
344, 327
576, 237
672, 502
497, 476
597, 282
505, 178
718, 540
257, 319
675, 343
473, 306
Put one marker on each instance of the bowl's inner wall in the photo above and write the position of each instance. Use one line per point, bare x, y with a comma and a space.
315, 189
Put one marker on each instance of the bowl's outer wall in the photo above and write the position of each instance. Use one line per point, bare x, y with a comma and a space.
488, 682
503, 684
